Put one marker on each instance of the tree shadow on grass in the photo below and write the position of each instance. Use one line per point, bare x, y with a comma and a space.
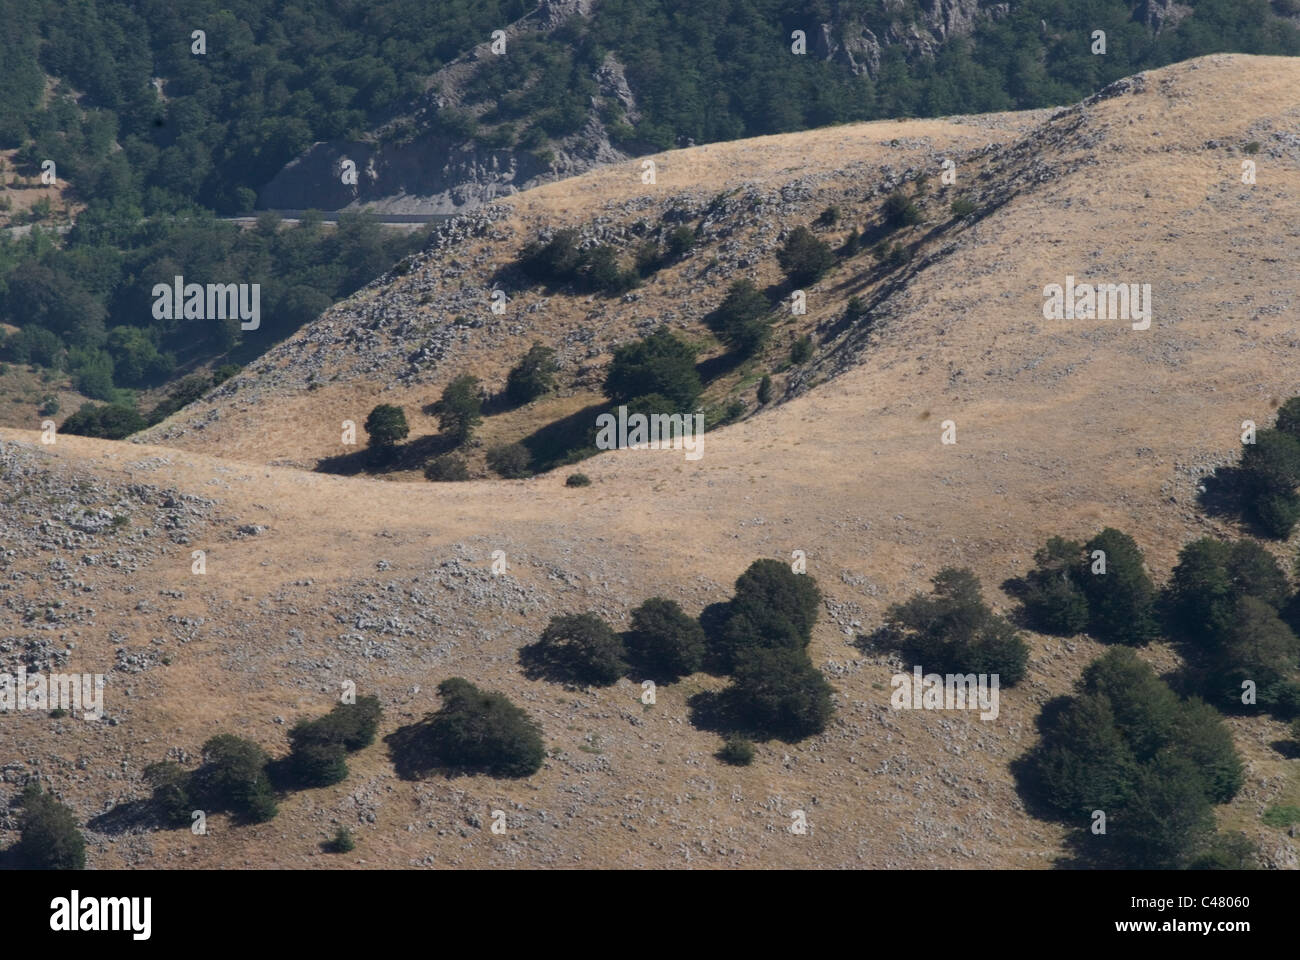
377, 461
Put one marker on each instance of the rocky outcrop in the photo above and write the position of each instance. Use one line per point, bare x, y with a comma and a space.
920, 29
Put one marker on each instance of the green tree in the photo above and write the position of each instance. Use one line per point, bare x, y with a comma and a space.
1121, 601
510, 460
233, 777
772, 606
804, 257
658, 364
460, 409
666, 639
743, 320
386, 425
583, 646
1053, 601
49, 838
532, 376
779, 691
480, 730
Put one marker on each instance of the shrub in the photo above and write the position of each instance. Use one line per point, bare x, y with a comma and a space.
954, 629
49, 405
829, 217
447, 468
342, 842
599, 271
510, 460
779, 691
1227, 852
764, 395
577, 480
900, 211
666, 639
658, 364
583, 646
962, 208
460, 409
234, 778
386, 425
802, 350
224, 373
742, 320
49, 838
737, 751
803, 257
681, 239
533, 376
852, 243
317, 763
1053, 601
1121, 602
1211, 578
479, 730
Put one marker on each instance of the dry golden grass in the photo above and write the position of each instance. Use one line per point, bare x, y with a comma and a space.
1062, 427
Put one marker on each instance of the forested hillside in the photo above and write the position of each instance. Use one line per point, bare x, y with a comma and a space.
150, 137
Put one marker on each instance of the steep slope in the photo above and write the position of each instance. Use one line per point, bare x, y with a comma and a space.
1062, 427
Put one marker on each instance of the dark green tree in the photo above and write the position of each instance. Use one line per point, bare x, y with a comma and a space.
532, 376
585, 647
460, 409
804, 257
666, 639
1121, 601
483, 731
49, 838
658, 364
386, 425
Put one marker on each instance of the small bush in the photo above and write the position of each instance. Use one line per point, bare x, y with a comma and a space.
510, 460
112, 422
577, 480
802, 350
447, 468
764, 395
829, 217
342, 842
49, 406
962, 208
1253, 147
737, 751
900, 211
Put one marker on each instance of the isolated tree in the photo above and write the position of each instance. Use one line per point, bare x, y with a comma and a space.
460, 409
764, 395
666, 639
483, 731
585, 647
554, 260
386, 425
804, 257
319, 746
1121, 601
49, 838
532, 376
658, 364
743, 320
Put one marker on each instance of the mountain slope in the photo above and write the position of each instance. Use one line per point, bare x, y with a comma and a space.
1062, 427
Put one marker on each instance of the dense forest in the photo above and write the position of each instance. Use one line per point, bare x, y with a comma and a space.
154, 141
